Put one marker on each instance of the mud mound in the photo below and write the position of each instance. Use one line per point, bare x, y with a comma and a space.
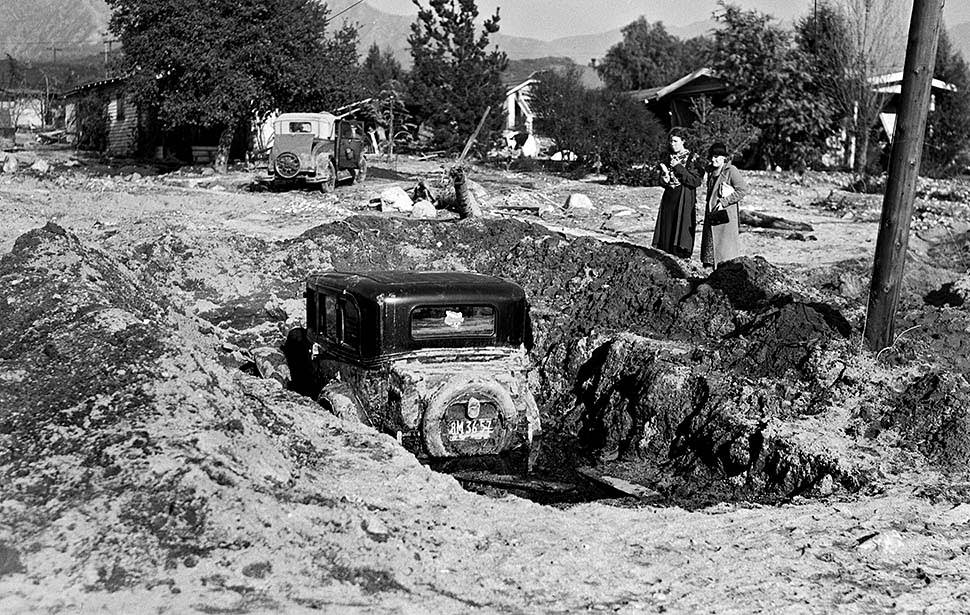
749, 329
932, 412
133, 467
753, 284
700, 435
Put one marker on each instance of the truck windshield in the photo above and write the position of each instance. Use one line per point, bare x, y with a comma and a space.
452, 321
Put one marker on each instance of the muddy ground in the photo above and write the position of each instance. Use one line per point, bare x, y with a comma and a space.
146, 467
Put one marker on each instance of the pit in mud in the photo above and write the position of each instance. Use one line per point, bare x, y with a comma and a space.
699, 389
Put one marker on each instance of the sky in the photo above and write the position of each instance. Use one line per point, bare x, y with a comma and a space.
550, 19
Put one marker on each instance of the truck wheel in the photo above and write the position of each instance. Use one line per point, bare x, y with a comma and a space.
339, 399
328, 185
361, 174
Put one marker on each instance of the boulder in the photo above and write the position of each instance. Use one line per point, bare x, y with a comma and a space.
396, 199
424, 210
579, 205
40, 166
10, 164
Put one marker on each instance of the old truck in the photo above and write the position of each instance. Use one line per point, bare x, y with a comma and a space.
317, 149
437, 359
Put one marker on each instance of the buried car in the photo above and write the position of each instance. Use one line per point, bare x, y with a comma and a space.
317, 149
437, 359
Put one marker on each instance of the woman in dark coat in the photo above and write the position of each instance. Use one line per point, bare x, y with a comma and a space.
677, 219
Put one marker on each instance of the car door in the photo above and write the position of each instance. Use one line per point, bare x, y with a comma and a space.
351, 134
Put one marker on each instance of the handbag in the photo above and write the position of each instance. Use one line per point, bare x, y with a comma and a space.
718, 215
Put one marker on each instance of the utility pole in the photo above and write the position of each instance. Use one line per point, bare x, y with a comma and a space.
107, 51
904, 163
55, 50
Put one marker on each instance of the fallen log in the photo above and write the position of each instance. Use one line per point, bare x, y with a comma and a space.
760, 220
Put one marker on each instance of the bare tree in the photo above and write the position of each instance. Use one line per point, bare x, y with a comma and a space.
856, 41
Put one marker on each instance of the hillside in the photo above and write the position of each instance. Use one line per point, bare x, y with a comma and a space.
77, 27
43, 29
35, 29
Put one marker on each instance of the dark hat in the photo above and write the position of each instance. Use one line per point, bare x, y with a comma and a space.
717, 149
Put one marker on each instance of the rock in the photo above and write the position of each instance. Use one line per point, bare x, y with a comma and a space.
275, 309
71, 163
10, 164
396, 199
375, 527
958, 515
546, 208
888, 545
271, 364
826, 485
424, 210
217, 188
618, 211
628, 226
40, 166
208, 171
578, 204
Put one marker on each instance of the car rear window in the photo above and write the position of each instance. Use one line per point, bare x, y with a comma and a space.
428, 322
301, 127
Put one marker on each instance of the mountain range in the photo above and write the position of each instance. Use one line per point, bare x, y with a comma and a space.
44, 29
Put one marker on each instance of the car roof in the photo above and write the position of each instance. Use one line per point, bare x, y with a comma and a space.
427, 285
306, 117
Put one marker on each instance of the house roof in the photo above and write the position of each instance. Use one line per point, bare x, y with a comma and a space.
95, 85
513, 88
701, 81
892, 83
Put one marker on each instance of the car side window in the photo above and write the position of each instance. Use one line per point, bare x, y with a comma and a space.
330, 318
339, 320
348, 130
351, 321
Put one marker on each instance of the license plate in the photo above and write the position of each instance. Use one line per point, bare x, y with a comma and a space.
473, 429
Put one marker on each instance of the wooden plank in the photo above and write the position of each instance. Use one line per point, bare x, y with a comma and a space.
619, 485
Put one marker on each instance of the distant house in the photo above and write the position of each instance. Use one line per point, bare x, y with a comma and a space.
107, 101
104, 116
672, 103
892, 85
518, 109
23, 107
520, 118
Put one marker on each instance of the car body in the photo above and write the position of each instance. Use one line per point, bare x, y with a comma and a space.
437, 359
317, 149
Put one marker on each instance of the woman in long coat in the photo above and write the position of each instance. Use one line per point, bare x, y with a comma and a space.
725, 189
677, 218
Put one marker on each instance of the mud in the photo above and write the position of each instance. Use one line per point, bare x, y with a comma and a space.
144, 465
683, 373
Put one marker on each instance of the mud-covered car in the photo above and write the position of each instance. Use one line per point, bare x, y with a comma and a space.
315, 148
437, 359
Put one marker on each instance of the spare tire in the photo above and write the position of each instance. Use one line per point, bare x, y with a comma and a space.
469, 416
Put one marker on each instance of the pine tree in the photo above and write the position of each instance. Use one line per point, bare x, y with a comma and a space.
455, 77
380, 69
